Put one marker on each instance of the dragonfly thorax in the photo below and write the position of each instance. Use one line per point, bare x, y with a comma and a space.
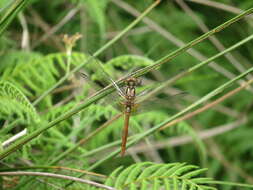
130, 89
130, 93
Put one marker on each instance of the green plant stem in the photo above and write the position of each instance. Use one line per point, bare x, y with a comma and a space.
11, 12
69, 56
191, 44
98, 52
101, 148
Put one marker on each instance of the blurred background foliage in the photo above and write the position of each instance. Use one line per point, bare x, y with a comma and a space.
33, 58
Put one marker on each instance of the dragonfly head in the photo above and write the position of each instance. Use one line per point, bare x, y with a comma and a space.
132, 82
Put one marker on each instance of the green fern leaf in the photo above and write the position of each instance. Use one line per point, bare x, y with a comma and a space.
166, 184
194, 173
38, 73
123, 175
184, 185
148, 171
172, 171
134, 173
163, 169
10, 92
175, 184
144, 185
113, 176
178, 176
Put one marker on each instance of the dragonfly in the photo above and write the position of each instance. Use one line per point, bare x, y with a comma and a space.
127, 94
129, 98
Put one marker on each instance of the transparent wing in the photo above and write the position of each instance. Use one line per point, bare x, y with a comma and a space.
100, 74
148, 99
112, 99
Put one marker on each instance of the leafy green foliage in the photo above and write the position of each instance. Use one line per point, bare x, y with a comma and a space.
148, 175
39, 74
27, 75
13, 101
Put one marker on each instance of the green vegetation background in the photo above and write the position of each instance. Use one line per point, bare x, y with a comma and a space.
33, 57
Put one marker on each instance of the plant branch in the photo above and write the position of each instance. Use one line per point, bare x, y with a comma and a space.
59, 176
12, 9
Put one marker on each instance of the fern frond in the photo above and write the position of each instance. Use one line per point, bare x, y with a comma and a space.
40, 73
12, 100
149, 175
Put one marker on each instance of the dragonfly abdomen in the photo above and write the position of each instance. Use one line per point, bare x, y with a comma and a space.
129, 104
